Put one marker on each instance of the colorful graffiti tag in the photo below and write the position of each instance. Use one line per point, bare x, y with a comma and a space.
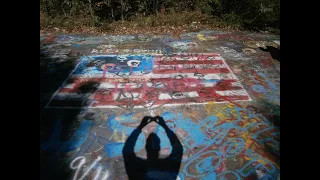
222, 136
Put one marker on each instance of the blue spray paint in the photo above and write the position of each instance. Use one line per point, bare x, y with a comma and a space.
56, 145
121, 65
204, 166
200, 136
114, 149
273, 96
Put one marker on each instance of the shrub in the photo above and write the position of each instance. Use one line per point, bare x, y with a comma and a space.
248, 14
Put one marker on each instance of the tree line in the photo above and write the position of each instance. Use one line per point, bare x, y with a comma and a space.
250, 13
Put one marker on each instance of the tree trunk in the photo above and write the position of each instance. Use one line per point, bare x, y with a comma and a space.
90, 9
46, 7
122, 8
112, 14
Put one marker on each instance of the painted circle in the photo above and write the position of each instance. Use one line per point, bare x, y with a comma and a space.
258, 88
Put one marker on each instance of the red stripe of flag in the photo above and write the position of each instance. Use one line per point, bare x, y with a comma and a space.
202, 71
215, 62
184, 85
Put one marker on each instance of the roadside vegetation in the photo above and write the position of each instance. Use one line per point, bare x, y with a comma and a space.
158, 16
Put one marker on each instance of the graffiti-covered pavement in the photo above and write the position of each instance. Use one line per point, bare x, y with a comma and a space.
218, 92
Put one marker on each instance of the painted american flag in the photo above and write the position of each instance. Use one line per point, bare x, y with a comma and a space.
146, 81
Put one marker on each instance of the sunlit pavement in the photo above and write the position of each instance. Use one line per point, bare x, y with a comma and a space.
218, 91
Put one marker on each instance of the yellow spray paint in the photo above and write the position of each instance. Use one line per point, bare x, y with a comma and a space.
116, 137
209, 107
123, 135
201, 37
251, 144
220, 111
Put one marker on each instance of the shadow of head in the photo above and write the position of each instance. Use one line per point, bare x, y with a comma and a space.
153, 146
81, 99
274, 52
88, 87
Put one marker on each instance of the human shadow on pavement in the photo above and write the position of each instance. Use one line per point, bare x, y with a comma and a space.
153, 167
52, 74
274, 52
62, 130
